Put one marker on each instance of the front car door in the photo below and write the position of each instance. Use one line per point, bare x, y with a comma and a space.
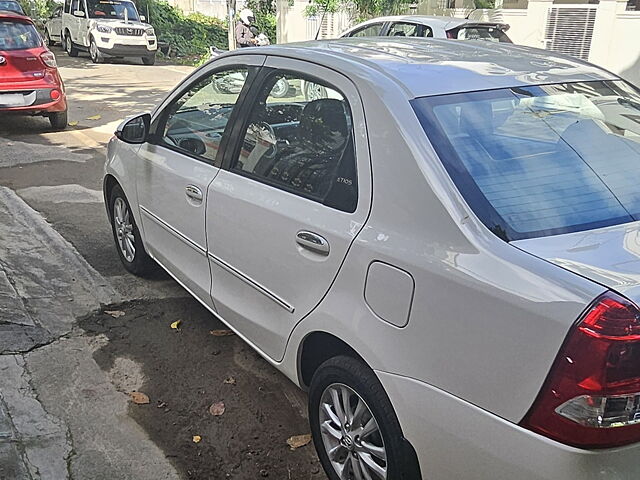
290, 200
183, 158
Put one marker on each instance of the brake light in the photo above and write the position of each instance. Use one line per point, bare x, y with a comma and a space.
49, 59
591, 397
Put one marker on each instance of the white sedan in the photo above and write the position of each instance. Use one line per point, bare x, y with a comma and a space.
444, 252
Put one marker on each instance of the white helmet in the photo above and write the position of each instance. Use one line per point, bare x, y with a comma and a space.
246, 17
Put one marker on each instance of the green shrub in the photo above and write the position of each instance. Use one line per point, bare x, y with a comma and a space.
184, 35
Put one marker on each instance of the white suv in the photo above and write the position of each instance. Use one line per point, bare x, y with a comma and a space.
107, 28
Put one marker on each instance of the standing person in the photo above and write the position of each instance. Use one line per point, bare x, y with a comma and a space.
244, 36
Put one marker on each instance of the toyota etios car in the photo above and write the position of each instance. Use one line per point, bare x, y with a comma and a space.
445, 252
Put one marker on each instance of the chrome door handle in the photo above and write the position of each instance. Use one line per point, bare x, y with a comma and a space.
312, 241
194, 193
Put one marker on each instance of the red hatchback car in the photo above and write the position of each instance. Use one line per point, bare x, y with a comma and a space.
29, 80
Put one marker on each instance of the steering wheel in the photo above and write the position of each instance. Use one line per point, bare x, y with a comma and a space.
263, 131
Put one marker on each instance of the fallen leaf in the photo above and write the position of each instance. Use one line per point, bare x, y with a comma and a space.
221, 333
230, 381
298, 441
176, 324
94, 117
73, 124
197, 438
139, 398
114, 313
217, 409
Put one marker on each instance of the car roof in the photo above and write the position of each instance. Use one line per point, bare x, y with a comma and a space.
444, 23
428, 66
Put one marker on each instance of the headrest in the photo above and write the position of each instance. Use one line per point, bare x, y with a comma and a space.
323, 125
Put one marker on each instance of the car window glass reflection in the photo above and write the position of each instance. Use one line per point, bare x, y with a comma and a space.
197, 120
299, 139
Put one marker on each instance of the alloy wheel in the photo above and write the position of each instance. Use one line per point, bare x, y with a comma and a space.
351, 435
124, 229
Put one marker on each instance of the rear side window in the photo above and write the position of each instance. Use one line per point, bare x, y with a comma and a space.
542, 160
18, 35
401, 29
300, 139
490, 33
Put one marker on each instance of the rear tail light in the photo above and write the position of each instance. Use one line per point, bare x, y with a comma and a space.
49, 59
591, 397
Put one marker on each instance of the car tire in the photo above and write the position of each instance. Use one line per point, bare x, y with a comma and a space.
59, 120
126, 235
151, 60
281, 88
313, 91
359, 444
47, 39
69, 46
95, 54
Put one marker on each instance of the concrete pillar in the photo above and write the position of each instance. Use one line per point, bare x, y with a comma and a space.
603, 30
537, 13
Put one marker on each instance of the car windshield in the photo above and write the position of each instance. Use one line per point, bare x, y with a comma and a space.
115, 9
475, 32
8, 6
18, 35
542, 160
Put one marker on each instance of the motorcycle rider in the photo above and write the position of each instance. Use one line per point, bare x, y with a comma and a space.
245, 37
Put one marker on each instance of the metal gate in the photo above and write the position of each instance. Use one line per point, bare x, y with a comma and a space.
570, 29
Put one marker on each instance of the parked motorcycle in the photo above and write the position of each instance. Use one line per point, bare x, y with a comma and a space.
234, 82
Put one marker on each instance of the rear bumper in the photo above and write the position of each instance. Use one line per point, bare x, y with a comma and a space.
454, 439
39, 102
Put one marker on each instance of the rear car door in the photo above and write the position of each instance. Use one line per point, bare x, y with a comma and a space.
293, 195
176, 168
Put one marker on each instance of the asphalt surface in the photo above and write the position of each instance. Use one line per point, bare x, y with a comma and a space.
68, 369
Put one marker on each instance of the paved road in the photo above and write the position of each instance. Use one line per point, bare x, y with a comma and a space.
67, 366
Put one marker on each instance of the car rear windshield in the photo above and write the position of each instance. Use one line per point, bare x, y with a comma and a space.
541, 160
15, 35
479, 32
10, 6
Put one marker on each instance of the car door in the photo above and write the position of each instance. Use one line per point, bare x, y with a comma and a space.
291, 198
54, 25
176, 168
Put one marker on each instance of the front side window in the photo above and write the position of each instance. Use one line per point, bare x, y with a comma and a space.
542, 160
300, 145
15, 35
368, 31
409, 30
195, 123
119, 9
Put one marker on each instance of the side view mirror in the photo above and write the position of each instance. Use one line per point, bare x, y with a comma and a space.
134, 129
143, 18
78, 13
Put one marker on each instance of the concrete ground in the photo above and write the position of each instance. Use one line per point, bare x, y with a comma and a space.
79, 335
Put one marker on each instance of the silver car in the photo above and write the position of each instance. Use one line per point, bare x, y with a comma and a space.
430, 26
444, 251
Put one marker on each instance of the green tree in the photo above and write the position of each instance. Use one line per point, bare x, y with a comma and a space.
361, 9
265, 12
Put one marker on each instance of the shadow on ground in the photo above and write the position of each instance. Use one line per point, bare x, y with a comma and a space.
184, 372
